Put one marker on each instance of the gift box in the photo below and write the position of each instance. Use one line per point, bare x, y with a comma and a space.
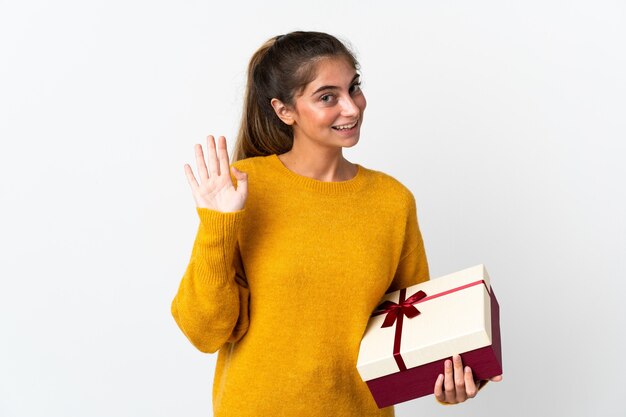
414, 330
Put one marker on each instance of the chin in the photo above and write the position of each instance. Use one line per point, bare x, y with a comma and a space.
352, 143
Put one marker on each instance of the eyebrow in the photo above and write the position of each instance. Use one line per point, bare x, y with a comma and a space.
333, 87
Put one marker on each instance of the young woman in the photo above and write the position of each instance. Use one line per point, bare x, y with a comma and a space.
297, 245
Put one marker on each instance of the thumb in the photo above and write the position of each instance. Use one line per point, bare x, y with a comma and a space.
242, 179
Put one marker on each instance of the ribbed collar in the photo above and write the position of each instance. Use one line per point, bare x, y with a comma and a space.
324, 187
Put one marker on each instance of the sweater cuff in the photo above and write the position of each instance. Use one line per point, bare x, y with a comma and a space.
216, 222
216, 241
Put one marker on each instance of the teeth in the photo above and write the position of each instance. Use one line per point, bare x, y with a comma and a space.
345, 127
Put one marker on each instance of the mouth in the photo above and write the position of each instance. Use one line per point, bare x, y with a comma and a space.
346, 127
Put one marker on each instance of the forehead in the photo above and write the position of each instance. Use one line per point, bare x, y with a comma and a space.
333, 71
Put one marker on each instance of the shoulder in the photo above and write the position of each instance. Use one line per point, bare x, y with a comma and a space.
390, 187
253, 166
256, 167
253, 162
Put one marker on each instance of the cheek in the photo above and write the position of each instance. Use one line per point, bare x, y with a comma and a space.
315, 117
325, 118
361, 102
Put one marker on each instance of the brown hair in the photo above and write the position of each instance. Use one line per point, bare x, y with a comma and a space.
280, 68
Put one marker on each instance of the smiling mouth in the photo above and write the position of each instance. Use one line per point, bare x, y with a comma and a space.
346, 127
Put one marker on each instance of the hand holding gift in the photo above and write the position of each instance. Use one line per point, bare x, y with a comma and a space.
456, 384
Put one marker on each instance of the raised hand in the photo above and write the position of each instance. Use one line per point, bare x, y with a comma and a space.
456, 384
216, 190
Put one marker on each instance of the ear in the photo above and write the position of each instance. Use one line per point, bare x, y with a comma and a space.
283, 112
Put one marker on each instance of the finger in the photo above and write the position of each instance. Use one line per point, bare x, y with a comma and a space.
448, 382
212, 158
222, 154
458, 371
496, 378
439, 388
470, 385
459, 380
242, 180
191, 179
203, 175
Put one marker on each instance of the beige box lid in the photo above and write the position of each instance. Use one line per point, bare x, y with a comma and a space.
452, 323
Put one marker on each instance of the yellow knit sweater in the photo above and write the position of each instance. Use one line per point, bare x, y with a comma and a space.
284, 288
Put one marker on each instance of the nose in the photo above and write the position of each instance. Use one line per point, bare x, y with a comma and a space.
349, 107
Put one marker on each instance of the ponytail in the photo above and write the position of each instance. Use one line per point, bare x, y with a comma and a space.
260, 133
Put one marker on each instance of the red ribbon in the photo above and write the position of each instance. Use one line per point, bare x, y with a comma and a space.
404, 307
395, 313
395, 310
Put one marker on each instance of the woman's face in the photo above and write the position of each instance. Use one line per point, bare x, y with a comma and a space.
329, 111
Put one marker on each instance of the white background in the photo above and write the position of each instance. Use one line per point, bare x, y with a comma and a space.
505, 119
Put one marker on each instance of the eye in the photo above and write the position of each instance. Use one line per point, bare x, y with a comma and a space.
356, 87
327, 98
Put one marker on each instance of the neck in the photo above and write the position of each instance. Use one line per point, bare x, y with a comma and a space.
323, 164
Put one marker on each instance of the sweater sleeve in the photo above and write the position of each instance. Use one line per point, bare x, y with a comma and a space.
211, 305
413, 265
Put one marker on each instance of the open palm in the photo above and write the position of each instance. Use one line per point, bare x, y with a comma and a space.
215, 189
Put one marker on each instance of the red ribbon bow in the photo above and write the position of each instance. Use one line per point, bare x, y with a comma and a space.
395, 311
405, 307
